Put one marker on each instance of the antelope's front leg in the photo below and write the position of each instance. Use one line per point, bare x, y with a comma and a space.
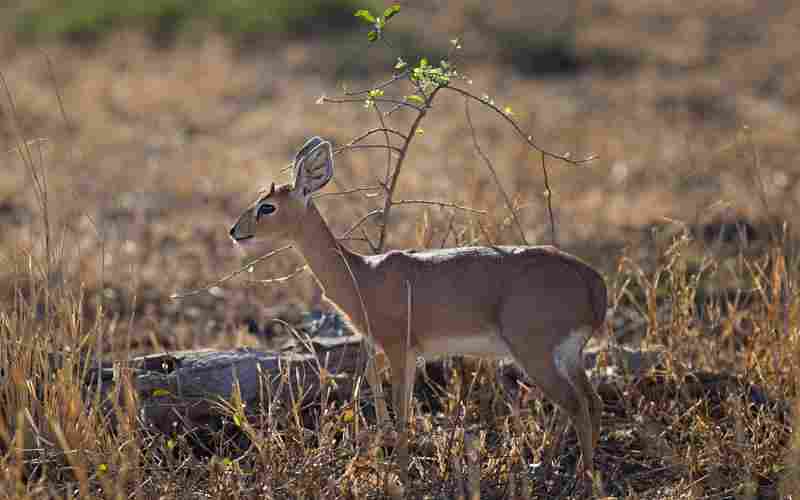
374, 380
404, 365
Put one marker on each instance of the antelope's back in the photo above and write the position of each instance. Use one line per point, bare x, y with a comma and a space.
465, 288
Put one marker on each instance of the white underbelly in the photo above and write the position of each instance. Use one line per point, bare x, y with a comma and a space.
487, 345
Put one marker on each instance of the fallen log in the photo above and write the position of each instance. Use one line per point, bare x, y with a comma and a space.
190, 388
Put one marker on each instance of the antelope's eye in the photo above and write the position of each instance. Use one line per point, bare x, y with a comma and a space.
265, 209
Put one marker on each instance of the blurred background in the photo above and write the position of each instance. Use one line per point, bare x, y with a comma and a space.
156, 122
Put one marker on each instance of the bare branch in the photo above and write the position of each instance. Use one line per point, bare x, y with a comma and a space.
383, 128
386, 138
441, 204
527, 138
392, 111
353, 238
489, 165
281, 279
229, 276
361, 221
387, 100
349, 191
392, 185
363, 239
379, 86
549, 194
367, 146
369, 241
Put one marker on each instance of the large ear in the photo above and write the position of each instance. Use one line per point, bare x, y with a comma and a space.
313, 168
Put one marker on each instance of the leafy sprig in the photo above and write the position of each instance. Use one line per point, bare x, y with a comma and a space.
425, 80
378, 23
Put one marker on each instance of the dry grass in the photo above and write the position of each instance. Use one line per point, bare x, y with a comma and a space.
160, 150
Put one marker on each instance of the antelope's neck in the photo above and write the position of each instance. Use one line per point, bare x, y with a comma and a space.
336, 268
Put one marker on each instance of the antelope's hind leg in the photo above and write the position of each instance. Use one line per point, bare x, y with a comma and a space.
568, 360
557, 369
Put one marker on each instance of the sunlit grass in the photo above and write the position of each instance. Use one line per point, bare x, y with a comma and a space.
167, 147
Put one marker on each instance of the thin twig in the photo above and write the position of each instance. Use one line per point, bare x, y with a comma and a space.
365, 235
362, 239
383, 128
342, 149
392, 111
527, 138
386, 138
388, 100
360, 221
442, 204
549, 195
412, 132
281, 279
378, 86
489, 165
229, 276
353, 238
349, 191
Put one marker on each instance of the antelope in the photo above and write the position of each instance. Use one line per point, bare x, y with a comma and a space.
535, 304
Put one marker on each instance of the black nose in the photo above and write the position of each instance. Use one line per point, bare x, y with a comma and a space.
232, 232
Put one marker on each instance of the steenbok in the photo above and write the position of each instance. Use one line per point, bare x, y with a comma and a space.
537, 305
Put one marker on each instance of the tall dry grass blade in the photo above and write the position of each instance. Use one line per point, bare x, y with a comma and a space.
472, 452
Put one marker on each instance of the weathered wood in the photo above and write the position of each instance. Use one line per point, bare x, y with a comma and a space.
190, 388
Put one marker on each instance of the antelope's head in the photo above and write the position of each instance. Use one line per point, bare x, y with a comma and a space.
278, 213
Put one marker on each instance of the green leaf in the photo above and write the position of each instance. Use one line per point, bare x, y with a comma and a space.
415, 99
237, 420
423, 63
372, 36
348, 415
400, 63
390, 12
365, 15
376, 93
159, 392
